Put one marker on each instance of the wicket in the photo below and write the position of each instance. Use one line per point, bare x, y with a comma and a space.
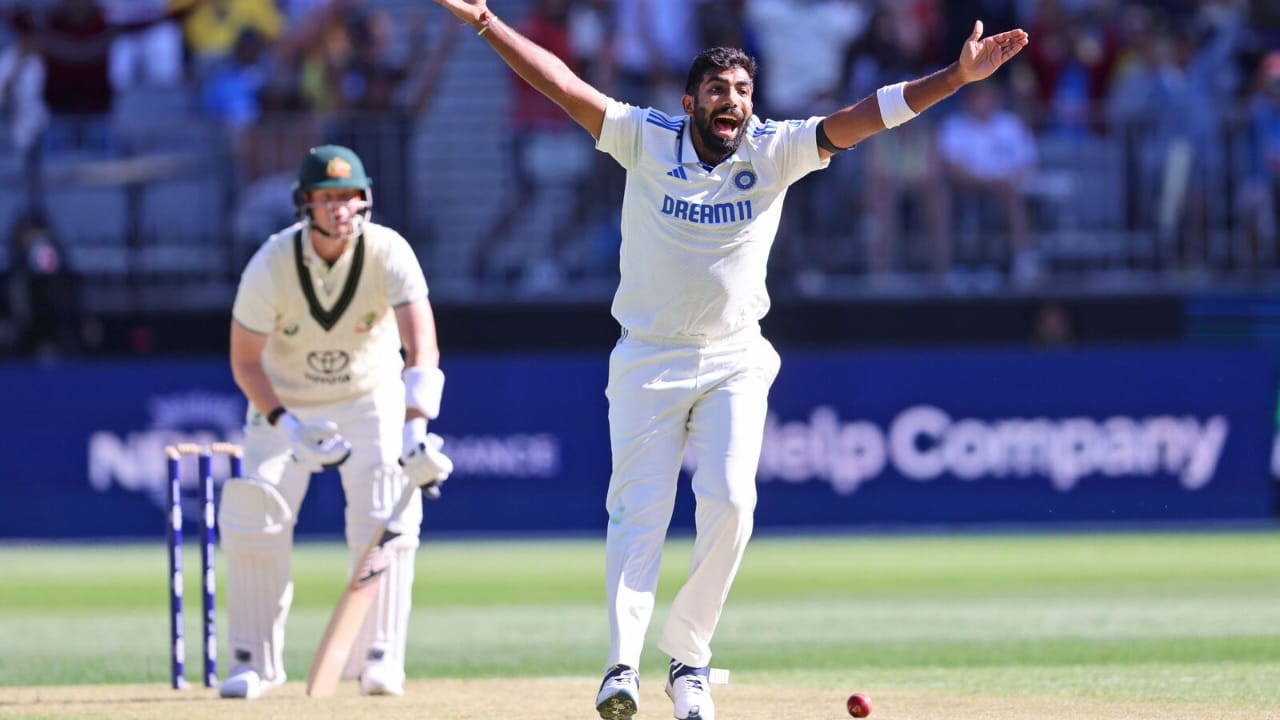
204, 467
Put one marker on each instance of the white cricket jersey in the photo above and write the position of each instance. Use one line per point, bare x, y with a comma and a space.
695, 238
332, 332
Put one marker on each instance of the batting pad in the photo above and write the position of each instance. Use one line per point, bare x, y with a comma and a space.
253, 511
256, 528
385, 631
259, 595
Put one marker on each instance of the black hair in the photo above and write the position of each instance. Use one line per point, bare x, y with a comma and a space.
718, 59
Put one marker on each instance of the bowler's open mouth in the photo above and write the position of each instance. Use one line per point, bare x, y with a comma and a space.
725, 125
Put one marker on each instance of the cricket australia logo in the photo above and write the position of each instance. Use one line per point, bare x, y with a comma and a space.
328, 366
338, 168
745, 179
366, 322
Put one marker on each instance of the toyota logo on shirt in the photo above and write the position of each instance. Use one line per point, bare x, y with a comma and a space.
328, 361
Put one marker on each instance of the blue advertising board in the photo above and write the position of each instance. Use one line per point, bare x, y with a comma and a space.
854, 439
1023, 436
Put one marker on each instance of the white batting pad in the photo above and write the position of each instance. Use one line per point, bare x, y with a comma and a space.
385, 631
253, 507
259, 594
256, 529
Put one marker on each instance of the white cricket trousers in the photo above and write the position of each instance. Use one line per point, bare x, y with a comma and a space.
259, 586
663, 394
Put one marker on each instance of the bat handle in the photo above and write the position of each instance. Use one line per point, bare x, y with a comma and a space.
406, 496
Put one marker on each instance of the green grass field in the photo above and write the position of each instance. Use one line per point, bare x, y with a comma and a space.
1141, 618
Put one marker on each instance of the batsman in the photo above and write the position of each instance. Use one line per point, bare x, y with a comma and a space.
322, 315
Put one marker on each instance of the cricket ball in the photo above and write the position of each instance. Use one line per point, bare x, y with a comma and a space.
859, 705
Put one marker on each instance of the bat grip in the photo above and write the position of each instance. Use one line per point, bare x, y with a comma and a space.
406, 496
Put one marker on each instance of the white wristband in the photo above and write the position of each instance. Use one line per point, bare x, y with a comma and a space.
422, 389
894, 109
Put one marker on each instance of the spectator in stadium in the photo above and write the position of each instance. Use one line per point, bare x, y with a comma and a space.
902, 178
266, 153
22, 78
591, 24
214, 28
154, 58
42, 292
592, 27
231, 89
653, 41
380, 101
906, 197
1167, 105
551, 159
1072, 63
724, 23
320, 47
1260, 197
804, 47
989, 154
74, 38
1052, 325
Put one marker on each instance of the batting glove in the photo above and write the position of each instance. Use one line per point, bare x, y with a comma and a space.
317, 445
426, 465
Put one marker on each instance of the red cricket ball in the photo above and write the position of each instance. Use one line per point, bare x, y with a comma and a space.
859, 705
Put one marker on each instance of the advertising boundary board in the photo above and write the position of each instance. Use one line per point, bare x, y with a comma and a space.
884, 438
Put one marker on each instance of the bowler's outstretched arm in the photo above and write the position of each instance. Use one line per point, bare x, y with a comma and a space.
979, 58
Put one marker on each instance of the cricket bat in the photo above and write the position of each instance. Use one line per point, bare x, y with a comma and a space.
353, 606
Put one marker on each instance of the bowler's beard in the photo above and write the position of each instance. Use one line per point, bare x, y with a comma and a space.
721, 147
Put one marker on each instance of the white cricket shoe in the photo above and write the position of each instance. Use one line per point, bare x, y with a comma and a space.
619, 695
243, 683
689, 688
381, 679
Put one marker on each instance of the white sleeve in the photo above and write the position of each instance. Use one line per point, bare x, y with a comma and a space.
405, 281
622, 134
793, 146
254, 307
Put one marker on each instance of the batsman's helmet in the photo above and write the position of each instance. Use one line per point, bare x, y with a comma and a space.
331, 166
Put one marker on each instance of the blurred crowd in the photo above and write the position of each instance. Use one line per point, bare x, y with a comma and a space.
1179, 100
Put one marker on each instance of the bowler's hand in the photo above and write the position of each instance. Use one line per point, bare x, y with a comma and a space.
426, 465
467, 11
317, 445
980, 57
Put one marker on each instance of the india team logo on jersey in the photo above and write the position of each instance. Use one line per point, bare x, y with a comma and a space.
338, 168
745, 179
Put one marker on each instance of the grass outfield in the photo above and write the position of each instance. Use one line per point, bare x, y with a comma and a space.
1078, 622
